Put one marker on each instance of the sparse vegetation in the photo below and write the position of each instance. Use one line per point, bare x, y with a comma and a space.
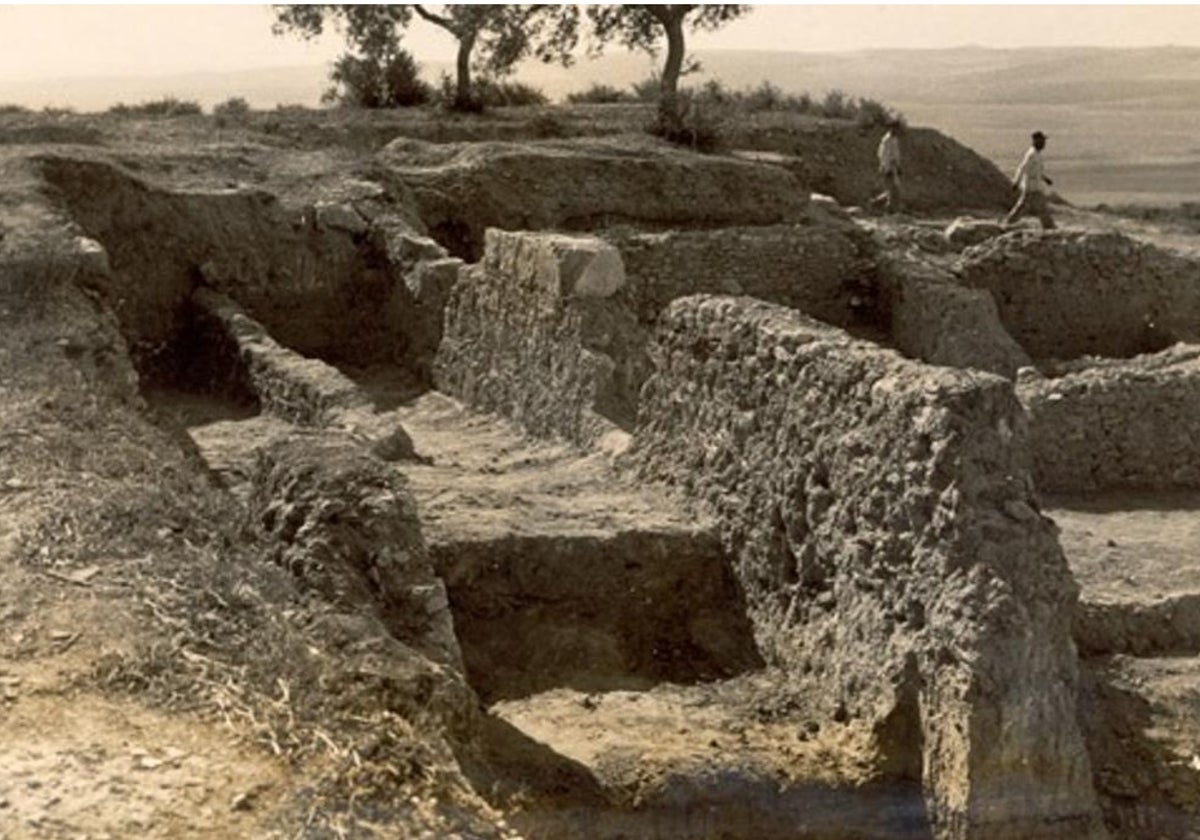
600, 94
168, 106
1185, 215
705, 113
232, 110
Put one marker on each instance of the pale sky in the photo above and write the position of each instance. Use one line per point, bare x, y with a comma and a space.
61, 41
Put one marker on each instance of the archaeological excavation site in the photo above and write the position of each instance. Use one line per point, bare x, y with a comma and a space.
440, 484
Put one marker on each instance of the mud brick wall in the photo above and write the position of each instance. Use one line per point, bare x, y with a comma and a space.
535, 332
1131, 423
1066, 294
891, 550
932, 317
818, 270
240, 352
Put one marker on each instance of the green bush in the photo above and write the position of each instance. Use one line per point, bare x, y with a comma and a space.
168, 106
649, 89
232, 110
600, 95
489, 93
378, 82
698, 125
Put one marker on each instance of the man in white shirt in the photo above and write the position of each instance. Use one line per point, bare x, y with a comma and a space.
1031, 179
889, 168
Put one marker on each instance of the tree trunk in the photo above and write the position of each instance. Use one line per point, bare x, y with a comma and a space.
669, 107
463, 98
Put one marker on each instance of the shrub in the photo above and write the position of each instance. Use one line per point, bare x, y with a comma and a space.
599, 94
837, 106
378, 82
872, 113
548, 126
12, 108
648, 90
232, 110
168, 106
698, 125
489, 93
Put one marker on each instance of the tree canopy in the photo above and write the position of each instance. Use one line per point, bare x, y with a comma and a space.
643, 26
491, 38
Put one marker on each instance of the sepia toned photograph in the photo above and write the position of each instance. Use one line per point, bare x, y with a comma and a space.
613, 422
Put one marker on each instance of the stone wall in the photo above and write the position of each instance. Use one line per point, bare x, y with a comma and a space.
1131, 423
891, 550
346, 526
1068, 294
236, 348
932, 317
821, 270
535, 332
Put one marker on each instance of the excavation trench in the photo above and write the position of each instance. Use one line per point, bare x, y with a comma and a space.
600, 624
606, 629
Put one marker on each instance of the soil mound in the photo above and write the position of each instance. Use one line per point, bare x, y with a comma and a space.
461, 189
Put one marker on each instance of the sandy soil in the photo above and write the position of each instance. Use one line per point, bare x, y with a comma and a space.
79, 762
1131, 547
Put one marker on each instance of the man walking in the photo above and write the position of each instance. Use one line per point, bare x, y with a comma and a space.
1031, 179
889, 168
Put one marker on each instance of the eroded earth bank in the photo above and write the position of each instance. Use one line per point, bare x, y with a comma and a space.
482, 485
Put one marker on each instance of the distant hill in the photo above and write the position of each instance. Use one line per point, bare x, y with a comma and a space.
1121, 121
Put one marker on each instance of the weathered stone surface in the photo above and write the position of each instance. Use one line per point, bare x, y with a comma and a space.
463, 189
932, 317
1068, 294
418, 309
1131, 423
819, 269
346, 526
516, 341
891, 550
339, 217
306, 391
404, 245
965, 231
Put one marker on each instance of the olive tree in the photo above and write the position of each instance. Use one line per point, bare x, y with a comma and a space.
643, 27
491, 38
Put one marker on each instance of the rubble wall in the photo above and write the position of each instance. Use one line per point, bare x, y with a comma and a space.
932, 317
238, 349
820, 270
1130, 423
891, 549
536, 332
1067, 294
